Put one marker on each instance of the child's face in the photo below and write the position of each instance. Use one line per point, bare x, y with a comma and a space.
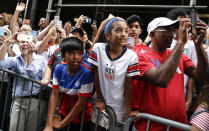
73, 58
119, 33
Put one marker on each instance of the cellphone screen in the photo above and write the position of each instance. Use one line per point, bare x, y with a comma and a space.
24, 37
34, 33
94, 22
1, 32
131, 41
59, 22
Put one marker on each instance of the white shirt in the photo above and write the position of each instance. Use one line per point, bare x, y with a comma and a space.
47, 54
15, 47
112, 74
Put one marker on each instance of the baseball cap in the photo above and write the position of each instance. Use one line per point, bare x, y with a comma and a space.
75, 29
159, 22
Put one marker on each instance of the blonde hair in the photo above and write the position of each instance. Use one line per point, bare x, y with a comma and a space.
25, 27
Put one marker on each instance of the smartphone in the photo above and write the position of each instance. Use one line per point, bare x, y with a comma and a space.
94, 22
34, 33
56, 17
194, 20
24, 37
59, 22
1, 32
88, 20
130, 42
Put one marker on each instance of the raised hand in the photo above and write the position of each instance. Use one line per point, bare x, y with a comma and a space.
52, 30
184, 25
80, 21
32, 47
201, 32
20, 7
52, 23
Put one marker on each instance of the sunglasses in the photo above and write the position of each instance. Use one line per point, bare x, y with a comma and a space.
169, 30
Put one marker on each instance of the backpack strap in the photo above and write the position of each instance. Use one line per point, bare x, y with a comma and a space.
196, 114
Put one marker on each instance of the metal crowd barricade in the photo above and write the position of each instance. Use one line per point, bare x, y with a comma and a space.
7, 107
114, 124
108, 110
149, 117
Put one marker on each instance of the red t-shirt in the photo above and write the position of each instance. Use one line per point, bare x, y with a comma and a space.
166, 102
68, 101
136, 90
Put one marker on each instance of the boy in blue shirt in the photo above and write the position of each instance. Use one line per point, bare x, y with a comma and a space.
75, 81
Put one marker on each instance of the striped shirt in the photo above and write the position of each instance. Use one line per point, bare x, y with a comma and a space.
201, 121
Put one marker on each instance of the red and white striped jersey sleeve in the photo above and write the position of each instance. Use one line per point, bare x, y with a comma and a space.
93, 57
133, 68
55, 83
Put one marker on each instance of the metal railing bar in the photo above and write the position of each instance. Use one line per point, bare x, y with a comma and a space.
28, 108
148, 125
83, 116
2, 79
168, 128
22, 76
130, 6
5, 105
39, 109
97, 120
164, 121
18, 122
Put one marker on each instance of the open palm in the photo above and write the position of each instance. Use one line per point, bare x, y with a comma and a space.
20, 7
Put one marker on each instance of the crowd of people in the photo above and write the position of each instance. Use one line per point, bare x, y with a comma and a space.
116, 67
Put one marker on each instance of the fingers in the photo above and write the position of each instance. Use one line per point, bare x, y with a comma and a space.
52, 23
100, 105
184, 24
22, 4
52, 30
32, 47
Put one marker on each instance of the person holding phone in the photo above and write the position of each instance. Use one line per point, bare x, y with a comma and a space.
31, 65
51, 41
5, 34
162, 71
68, 27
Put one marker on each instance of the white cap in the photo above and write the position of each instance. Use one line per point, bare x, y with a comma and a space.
160, 21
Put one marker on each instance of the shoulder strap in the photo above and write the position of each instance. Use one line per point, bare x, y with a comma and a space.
195, 114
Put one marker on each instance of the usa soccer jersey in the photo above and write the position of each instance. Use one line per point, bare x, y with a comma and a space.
112, 74
80, 84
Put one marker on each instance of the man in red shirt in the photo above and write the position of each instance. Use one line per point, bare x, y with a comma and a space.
162, 70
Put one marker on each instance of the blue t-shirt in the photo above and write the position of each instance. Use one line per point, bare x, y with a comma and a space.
79, 84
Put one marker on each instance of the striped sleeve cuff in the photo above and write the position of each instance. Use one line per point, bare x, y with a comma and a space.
55, 86
85, 94
93, 58
133, 70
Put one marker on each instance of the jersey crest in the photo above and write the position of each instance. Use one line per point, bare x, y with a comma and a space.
110, 71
